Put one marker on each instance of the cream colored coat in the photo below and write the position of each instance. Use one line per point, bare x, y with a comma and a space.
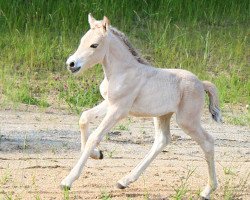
133, 87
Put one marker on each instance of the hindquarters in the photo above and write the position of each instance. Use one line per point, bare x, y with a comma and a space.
192, 100
188, 118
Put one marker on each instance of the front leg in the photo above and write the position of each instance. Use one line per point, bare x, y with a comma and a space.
86, 117
113, 115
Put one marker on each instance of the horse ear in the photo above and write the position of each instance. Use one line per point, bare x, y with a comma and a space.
105, 23
91, 20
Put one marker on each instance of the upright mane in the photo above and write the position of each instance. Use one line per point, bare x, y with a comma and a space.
132, 50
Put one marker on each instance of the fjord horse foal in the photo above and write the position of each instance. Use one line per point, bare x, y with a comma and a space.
132, 87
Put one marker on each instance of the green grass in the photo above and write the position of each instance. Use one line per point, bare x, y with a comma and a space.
182, 190
111, 153
105, 195
232, 190
66, 194
122, 127
209, 38
242, 119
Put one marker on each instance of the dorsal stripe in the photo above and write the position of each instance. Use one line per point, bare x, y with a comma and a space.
132, 50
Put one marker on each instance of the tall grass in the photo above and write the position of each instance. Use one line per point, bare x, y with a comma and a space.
209, 38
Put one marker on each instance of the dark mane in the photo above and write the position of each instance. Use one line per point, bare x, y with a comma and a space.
132, 50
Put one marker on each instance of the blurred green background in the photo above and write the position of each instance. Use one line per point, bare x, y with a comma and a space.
209, 38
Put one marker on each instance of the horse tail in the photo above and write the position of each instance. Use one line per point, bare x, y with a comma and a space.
214, 109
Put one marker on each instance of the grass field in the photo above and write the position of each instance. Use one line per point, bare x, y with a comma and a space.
209, 38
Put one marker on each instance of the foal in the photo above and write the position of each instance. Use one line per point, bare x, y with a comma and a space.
132, 87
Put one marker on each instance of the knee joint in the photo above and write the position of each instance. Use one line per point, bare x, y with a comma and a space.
84, 119
208, 147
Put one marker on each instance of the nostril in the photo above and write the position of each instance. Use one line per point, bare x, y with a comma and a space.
72, 64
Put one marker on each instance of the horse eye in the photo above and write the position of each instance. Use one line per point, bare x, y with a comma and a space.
93, 45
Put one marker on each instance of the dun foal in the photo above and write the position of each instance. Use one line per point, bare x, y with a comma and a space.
132, 87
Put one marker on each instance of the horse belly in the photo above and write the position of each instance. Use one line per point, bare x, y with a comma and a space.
155, 103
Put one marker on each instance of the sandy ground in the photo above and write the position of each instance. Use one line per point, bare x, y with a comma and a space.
37, 150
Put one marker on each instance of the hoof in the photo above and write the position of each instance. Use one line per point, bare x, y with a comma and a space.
204, 198
101, 155
97, 154
120, 186
65, 187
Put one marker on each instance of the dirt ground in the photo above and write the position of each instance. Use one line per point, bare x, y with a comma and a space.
38, 149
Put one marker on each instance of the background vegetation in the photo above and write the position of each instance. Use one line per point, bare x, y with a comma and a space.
209, 38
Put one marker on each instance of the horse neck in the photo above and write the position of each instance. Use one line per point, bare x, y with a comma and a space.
118, 58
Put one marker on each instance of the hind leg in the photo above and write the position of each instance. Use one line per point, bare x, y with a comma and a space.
162, 138
191, 125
